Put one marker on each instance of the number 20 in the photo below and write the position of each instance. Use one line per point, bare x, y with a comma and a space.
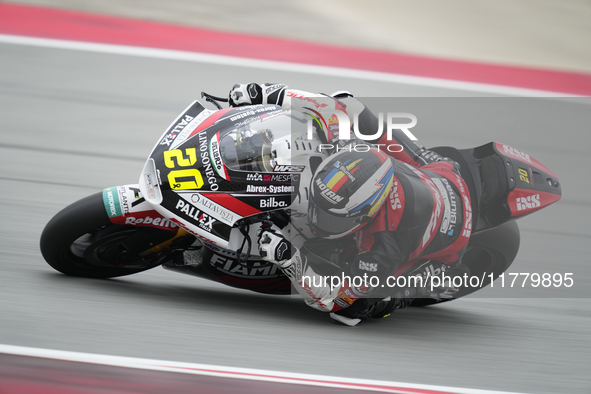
523, 175
183, 161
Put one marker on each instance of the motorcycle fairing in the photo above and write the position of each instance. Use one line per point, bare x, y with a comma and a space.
188, 120
255, 275
504, 183
522, 157
126, 205
536, 186
525, 201
186, 179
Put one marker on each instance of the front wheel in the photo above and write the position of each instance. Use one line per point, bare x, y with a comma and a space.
81, 241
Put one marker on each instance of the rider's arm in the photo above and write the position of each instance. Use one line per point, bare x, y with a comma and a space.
319, 106
317, 292
380, 254
257, 93
366, 276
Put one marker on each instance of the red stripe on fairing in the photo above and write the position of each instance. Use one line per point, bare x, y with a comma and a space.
78, 26
210, 120
544, 200
232, 203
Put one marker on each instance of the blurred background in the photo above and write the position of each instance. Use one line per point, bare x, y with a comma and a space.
552, 34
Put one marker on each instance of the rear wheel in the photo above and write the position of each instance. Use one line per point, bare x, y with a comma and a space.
489, 254
81, 241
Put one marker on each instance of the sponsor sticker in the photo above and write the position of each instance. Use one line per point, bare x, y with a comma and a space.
449, 218
271, 202
258, 177
190, 127
327, 193
151, 221
206, 162
254, 270
169, 137
519, 155
112, 202
242, 115
366, 266
269, 189
216, 157
529, 202
203, 220
212, 208
394, 197
288, 168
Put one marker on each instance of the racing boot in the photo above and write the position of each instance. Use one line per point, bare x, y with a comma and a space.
369, 308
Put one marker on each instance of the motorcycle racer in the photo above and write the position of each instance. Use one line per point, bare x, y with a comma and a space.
407, 208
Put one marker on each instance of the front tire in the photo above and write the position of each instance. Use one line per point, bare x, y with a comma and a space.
81, 241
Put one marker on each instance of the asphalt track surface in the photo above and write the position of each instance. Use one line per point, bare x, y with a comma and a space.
75, 122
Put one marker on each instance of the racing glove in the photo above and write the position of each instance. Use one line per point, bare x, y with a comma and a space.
273, 247
316, 291
309, 284
254, 93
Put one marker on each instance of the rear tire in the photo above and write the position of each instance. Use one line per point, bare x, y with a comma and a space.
489, 254
81, 241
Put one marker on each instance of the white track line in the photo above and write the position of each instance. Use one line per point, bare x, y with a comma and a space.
278, 66
238, 373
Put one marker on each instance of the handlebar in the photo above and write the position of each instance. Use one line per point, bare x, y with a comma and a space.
214, 100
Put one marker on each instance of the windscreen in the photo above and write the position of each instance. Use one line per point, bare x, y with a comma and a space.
256, 146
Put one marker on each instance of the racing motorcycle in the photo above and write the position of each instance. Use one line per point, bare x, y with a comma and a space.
216, 177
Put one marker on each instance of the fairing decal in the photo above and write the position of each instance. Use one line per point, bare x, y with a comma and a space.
525, 201
126, 205
522, 157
